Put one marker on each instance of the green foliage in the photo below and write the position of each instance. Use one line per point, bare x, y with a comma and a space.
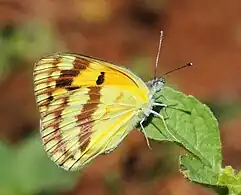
27, 170
228, 177
19, 44
191, 125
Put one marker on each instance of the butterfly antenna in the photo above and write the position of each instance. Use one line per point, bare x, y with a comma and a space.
158, 54
179, 68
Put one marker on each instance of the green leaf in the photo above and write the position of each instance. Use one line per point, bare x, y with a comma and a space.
28, 170
191, 125
228, 177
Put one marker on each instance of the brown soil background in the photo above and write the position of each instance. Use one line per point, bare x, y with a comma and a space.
208, 33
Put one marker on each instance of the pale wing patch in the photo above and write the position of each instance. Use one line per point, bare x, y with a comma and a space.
103, 134
104, 131
84, 135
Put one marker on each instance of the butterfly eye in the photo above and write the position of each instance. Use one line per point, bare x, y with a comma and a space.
162, 80
158, 84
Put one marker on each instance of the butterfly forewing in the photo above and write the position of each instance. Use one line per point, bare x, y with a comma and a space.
87, 106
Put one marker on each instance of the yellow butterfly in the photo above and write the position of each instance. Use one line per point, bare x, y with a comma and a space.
88, 106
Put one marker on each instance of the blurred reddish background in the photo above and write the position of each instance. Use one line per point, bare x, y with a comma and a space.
207, 33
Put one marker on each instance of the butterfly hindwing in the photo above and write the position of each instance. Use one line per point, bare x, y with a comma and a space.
87, 106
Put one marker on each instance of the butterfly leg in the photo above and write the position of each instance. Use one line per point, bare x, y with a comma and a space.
167, 105
144, 132
171, 106
158, 104
164, 107
163, 120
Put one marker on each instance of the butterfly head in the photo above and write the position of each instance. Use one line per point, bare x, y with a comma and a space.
156, 85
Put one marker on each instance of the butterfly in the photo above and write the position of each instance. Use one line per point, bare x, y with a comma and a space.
88, 106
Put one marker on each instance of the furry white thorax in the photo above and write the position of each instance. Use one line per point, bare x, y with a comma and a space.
154, 86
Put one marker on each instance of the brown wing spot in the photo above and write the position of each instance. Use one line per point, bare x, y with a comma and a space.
70, 88
84, 139
101, 78
50, 98
80, 63
56, 135
56, 61
86, 116
66, 78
